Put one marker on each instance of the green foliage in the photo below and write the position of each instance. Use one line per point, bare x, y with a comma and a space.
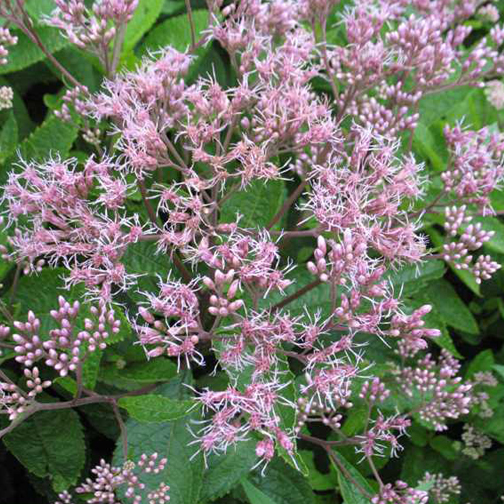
351, 482
25, 53
171, 440
225, 472
257, 203
8, 137
144, 18
50, 444
175, 32
155, 408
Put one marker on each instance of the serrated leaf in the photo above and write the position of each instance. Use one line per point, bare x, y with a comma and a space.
91, 369
450, 307
52, 137
412, 277
175, 32
225, 471
50, 444
254, 495
283, 484
143, 19
257, 203
349, 487
184, 472
25, 53
155, 408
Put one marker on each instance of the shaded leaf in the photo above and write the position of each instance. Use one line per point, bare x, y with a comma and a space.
50, 444
225, 471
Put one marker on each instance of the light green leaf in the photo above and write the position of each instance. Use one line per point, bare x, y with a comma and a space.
155, 408
225, 471
50, 444
450, 307
499, 369
144, 18
254, 495
25, 53
184, 472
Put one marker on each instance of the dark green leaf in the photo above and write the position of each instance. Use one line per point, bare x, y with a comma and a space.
283, 484
451, 308
225, 471
255, 496
50, 444
351, 482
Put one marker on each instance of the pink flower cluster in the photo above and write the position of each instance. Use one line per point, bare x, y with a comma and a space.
127, 479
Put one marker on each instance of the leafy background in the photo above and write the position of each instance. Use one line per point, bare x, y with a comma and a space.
53, 450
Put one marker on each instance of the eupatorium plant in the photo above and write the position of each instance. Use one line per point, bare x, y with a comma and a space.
257, 235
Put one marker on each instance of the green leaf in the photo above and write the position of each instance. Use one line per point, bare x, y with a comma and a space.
150, 372
175, 32
52, 137
47, 285
225, 471
91, 369
39, 8
8, 137
283, 484
412, 278
484, 361
50, 444
498, 368
349, 487
318, 480
254, 495
444, 445
25, 53
144, 18
257, 203
184, 472
154, 408
451, 308
171, 6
